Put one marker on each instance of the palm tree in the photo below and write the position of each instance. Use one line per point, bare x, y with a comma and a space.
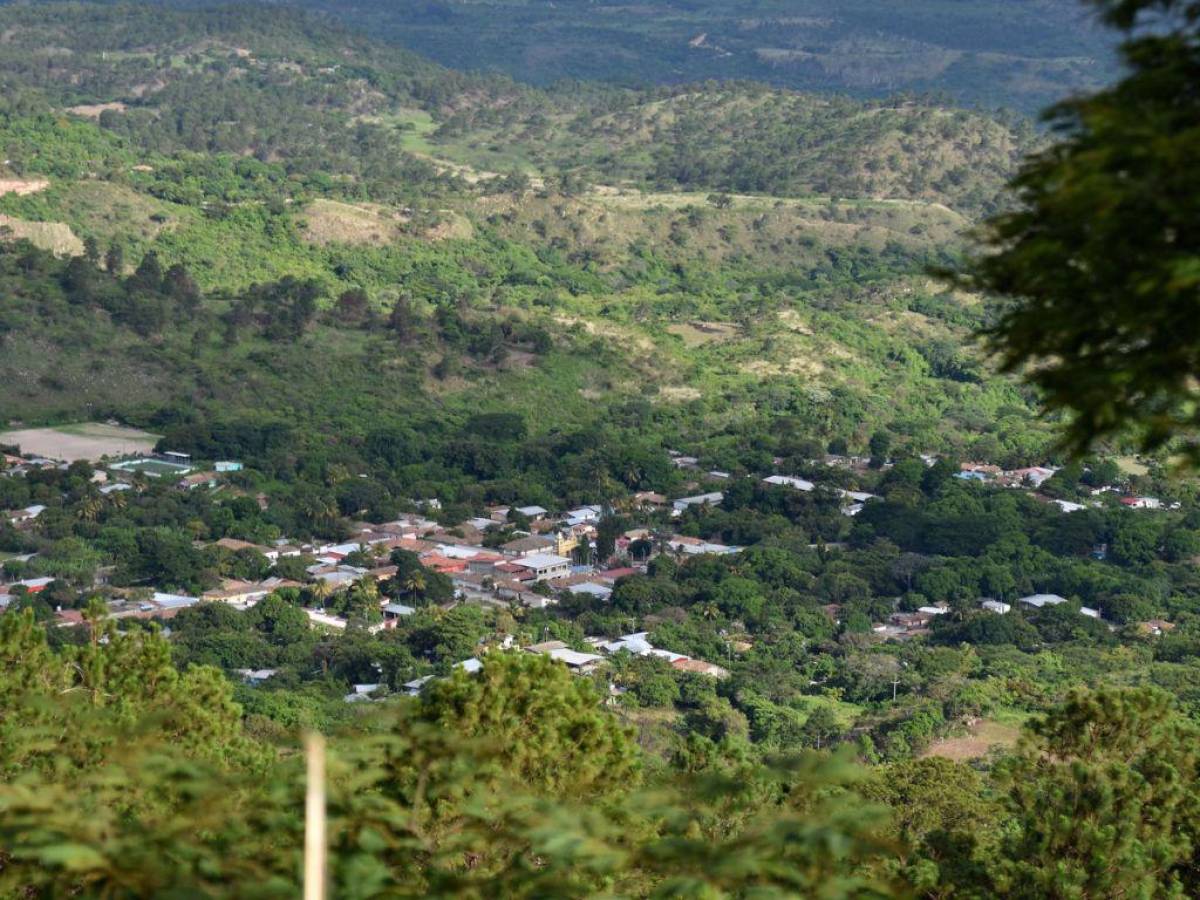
414, 584
633, 474
369, 588
321, 589
90, 508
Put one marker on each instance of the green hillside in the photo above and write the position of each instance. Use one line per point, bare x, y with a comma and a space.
621, 257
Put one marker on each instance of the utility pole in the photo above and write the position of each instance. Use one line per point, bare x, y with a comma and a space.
895, 682
314, 818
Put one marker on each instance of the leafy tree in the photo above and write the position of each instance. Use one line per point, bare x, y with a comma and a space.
1135, 539
1099, 256
549, 726
1103, 797
821, 728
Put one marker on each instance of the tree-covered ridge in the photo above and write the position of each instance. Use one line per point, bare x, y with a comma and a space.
746, 138
441, 288
668, 342
1018, 55
299, 91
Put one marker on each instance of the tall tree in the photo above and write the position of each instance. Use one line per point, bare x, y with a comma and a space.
1103, 794
1101, 258
548, 726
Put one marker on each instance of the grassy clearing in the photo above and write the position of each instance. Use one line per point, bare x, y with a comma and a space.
57, 237
697, 334
414, 127
331, 222
1000, 731
1132, 466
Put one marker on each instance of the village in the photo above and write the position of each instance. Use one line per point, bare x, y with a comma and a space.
524, 556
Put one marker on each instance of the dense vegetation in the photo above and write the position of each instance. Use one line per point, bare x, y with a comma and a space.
159, 788
1113, 344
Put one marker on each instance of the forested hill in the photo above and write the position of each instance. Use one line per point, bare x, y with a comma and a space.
1021, 54
276, 85
708, 253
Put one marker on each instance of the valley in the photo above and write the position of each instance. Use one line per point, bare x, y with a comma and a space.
596, 451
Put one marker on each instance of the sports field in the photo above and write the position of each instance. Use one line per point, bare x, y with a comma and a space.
155, 468
88, 440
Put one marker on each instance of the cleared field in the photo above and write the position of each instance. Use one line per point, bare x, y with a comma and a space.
90, 440
22, 186
56, 237
982, 738
332, 222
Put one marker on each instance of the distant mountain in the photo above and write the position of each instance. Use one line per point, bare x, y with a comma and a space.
1022, 54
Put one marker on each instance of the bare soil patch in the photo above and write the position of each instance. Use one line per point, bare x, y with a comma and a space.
93, 110
91, 441
56, 237
679, 394
332, 222
22, 186
695, 334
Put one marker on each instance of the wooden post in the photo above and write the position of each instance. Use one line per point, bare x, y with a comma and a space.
314, 818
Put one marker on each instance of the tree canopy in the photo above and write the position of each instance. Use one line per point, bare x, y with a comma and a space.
1101, 260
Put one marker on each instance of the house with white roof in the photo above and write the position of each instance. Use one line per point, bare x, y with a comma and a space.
544, 566
709, 499
362, 692
635, 643
592, 589
799, 484
174, 601
28, 514
1142, 502
689, 546
856, 496
1040, 600
412, 688
1035, 475
583, 514
328, 620
573, 659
